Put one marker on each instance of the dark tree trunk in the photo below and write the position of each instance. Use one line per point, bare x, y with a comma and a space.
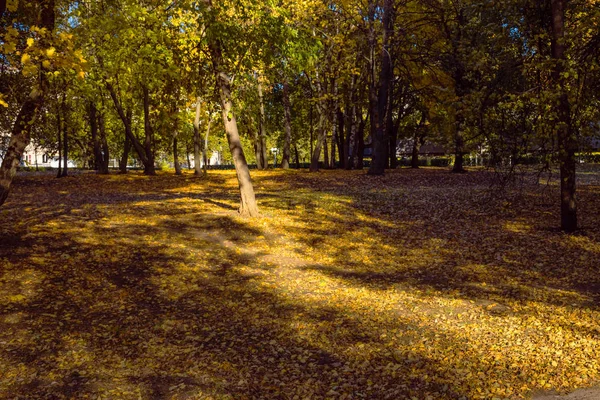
567, 141
149, 168
414, 162
176, 156
379, 96
65, 145
360, 148
297, 156
459, 150
248, 205
59, 125
125, 156
104, 142
285, 160
93, 117
342, 151
197, 140
133, 140
326, 153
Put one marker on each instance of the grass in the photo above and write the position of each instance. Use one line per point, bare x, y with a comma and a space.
418, 284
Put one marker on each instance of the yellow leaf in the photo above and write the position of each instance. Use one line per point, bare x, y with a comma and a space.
11, 5
46, 64
30, 42
50, 52
81, 75
25, 58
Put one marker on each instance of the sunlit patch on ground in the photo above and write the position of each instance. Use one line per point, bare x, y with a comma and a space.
417, 284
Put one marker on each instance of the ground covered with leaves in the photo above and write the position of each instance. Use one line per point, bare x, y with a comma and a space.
418, 284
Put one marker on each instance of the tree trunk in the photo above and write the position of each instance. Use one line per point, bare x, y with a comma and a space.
316, 155
133, 140
414, 162
459, 150
342, 151
326, 153
105, 155
262, 131
285, 160
248, 205
59, 125
297, 156
360, 148
149, 168
197, 144
379, 96
176, 155
21, 134
95, 139
125, 156
65, 143
567, 142
205, 146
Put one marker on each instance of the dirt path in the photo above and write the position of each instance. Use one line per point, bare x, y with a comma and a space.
581, 394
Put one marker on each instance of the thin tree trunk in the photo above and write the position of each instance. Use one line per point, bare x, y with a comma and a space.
197, 144
187, 155
95, 139
149, 168
285, 160
65, 143
126, 119
360, 148
459, 150
414, 162
262, 132
316, 155
297, 156
104, 141
248, 206
176, 155
205, 147
125, 156
59, 123
567, 142
326, 153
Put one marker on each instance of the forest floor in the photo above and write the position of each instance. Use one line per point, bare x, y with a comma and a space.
419, 284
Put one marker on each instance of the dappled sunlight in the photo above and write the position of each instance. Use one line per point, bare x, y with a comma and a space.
156, 288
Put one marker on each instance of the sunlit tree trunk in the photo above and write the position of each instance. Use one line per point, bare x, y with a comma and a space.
262, 131
197, 143
205, 146
20, 135
285, 161
149, 168
248, 206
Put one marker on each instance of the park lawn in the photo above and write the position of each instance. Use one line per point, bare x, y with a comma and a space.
418, 284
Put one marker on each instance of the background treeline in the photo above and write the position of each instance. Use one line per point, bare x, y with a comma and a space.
160, 81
